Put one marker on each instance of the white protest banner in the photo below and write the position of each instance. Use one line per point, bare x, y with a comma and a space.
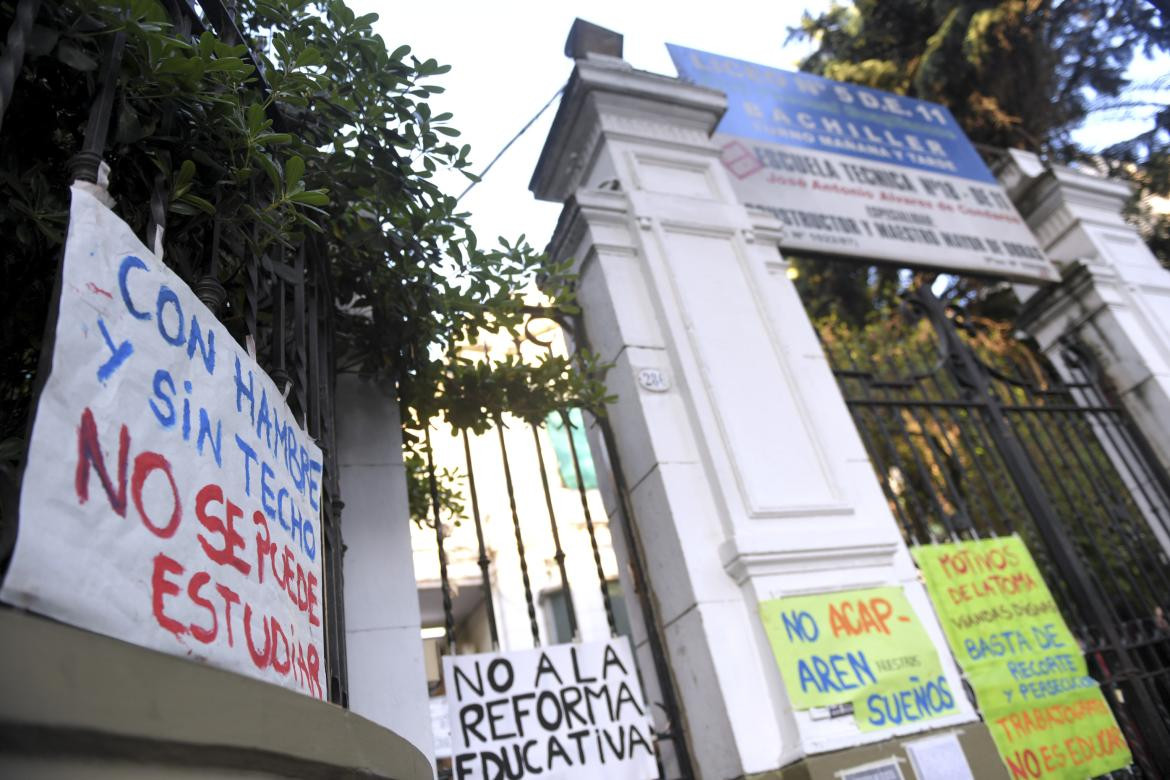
169, 500
850, 170
564, 711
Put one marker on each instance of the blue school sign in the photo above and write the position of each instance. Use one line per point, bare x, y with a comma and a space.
800, 109
853, 171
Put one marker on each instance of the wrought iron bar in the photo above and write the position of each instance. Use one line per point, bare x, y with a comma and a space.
943, 453
277, 356
923, 472
336, 660
483, 561
1075, 494
209, 289
85, 164
444, 583
519, 536
252, 287
604, 584
300, 378
676, 732
15, 46
972, 376
1130, 450
160, 190
314, 368
559, 554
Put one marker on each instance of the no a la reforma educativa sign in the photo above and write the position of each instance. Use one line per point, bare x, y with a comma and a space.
859, 172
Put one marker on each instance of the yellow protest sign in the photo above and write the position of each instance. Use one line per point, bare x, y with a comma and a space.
1048, 717
863, 647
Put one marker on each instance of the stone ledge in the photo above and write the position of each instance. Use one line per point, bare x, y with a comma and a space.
68, 695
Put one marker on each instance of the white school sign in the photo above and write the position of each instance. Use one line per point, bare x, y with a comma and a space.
563, 711
854, 171
169, 499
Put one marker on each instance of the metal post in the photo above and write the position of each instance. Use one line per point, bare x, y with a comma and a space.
14, 49
444, 584
603, 583
84, 165
483, 561
559, 555
519, 537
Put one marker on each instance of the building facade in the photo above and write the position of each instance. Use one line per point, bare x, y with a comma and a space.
737, 466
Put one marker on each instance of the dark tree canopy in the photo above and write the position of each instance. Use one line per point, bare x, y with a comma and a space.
1015, 73
336, 144
295, 125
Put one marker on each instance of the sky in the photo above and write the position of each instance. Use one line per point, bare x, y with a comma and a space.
507, 60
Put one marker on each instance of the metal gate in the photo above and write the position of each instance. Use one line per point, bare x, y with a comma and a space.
279, 301
502, 464
973, 433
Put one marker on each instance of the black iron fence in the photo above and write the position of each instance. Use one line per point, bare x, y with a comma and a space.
279, 304
973, 433
558, 439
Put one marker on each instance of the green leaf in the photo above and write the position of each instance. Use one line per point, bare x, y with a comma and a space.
270, 167
203, 205
294, 170
309, 57
185, 175
42, 40
274, 139
310, 197
180, 207
130, 129
256, 119
74, 57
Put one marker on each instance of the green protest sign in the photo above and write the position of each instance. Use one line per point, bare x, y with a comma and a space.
864, 647
1048, 717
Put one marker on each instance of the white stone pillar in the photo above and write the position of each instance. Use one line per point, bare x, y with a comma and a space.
1114, 295
747, 476
387, 678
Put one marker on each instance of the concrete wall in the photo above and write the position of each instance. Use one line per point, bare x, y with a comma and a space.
1114, 295
387, 677
76, 704
80, 705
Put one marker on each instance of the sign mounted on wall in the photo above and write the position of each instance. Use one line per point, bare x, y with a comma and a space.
855, 171
864, 647
1047, 716
169, 499
566, 711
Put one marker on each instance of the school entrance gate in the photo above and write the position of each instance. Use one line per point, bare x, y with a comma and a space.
973, 434
749, 443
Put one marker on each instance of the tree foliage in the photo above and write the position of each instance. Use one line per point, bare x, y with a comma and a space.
298, 127
335, 146
1015, 73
